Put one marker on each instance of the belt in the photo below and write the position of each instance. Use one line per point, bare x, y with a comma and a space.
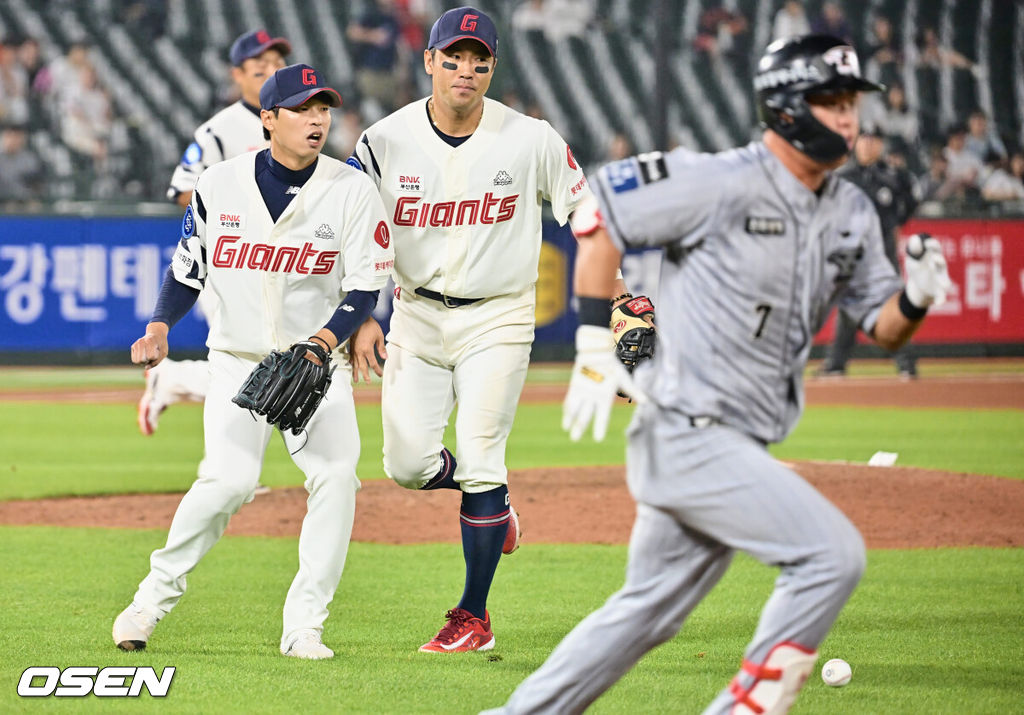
702, 421
447, 300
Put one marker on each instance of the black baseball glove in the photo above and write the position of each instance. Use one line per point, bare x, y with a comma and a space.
287, 387
634, 336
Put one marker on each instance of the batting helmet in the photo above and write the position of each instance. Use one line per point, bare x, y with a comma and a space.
795, 67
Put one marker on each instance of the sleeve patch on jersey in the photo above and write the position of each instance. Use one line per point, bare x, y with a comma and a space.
652, 167
188, 223
571, 159
354, 163
622, 176
382, 235
193, 154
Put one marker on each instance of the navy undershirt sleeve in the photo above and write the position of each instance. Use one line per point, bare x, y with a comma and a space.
351, 313
175, 300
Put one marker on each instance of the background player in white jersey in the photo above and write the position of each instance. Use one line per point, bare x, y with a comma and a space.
280, 236
463, 178
234, 130
760, 242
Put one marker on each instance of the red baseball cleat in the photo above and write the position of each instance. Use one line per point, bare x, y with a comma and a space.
463, 632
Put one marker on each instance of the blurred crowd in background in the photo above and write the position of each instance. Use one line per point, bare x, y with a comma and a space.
62, 135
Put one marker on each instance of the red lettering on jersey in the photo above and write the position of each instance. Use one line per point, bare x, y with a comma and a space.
569, 156
382, 235
468, 23
308, 77
283, 253
223, 253
260, 257
472, 206
406, 216
324, 262
264, 257
578, 186
442, 214
448, 213
506, 209
232, 218
307, 253
408, 179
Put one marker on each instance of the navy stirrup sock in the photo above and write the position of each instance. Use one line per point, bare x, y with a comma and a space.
445, 477
484, 521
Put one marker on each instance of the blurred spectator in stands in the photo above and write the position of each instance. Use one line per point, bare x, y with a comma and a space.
510, 98
21, 172
557, 19
146, 19
86, 122
620, 147
31, 60
790, 20
375, 35
13, 84
885, 53
832, 21
721, 31
982, 139
933, 181
345, 132
892, 114
530, 15
934, 55
64, 70
963, 169
1003, 178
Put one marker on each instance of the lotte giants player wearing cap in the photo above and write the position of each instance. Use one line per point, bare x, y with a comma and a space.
295, 246
463, 178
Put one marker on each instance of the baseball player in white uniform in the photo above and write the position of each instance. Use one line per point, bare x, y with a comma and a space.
232, 131
760, 243
280, 236
463, 178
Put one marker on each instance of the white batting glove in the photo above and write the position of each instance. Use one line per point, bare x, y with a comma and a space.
597, 376
927, 275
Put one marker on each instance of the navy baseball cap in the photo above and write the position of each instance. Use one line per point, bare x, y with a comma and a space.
293, 85
464, 23
255, 43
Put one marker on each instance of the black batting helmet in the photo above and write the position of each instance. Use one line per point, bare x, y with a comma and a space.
795, 67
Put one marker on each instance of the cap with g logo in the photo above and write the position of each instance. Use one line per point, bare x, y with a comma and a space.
255, 43
293, 86
463, 23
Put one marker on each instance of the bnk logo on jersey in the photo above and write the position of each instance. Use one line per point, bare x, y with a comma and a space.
78, 682
231, 220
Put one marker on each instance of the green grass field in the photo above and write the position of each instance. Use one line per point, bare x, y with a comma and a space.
927, 631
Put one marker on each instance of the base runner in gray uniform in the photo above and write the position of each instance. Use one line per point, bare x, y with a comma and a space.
760, 243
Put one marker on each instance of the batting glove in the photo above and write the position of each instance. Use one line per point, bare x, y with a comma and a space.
597, 376
927, 275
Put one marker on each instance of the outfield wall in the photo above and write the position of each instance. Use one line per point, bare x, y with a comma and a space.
83, 287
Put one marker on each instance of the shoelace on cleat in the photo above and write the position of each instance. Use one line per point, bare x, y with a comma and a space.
456, 620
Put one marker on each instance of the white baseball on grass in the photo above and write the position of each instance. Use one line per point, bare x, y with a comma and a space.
836, 673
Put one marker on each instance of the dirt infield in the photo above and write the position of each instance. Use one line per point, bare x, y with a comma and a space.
894, 507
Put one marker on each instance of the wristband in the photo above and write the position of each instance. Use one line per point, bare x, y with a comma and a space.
321, 340
594, 311
910, 311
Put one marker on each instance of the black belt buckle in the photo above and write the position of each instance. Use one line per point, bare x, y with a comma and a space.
448, 301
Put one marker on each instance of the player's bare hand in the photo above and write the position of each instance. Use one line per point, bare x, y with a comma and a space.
363, 347
151, 348
597, 376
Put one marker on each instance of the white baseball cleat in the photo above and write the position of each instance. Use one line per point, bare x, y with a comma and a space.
306, 644
134, 625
